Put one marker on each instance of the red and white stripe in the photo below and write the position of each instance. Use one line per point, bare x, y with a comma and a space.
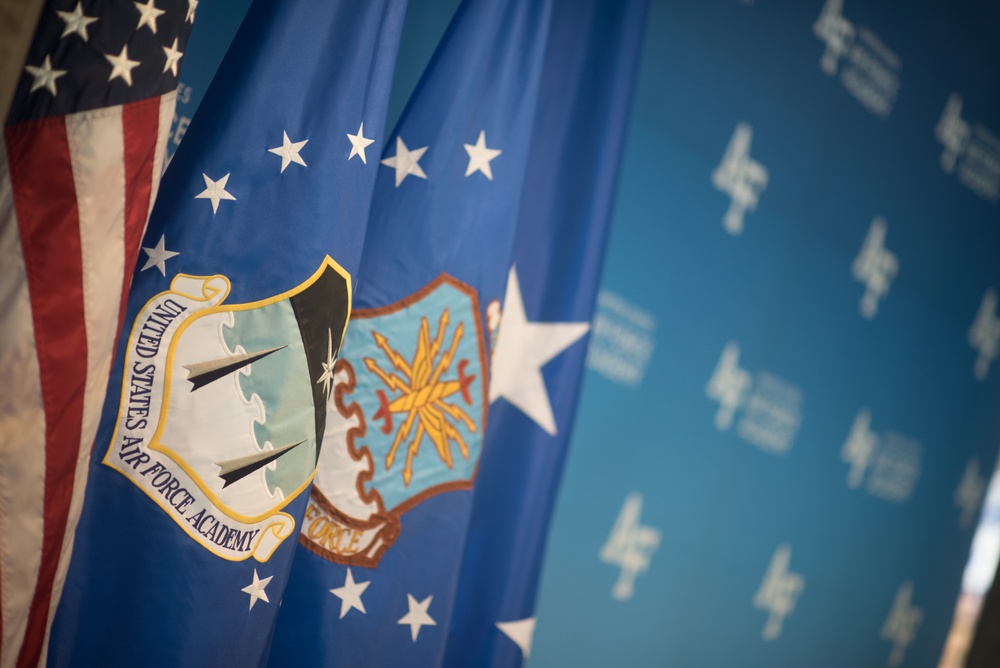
75, 196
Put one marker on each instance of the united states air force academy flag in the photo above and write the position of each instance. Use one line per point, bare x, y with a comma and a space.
583, 107
216, 417
375, 578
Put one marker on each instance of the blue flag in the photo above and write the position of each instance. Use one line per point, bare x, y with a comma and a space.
583, 109
383, 536
216, 413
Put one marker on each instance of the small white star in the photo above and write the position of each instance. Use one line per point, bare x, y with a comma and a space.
192, 5
289, 152
406, 162
121, 66
327, 377
149, 14
215, 191
158, 255
76, 22
173, 57
45, 76
522, 349
520, 631
480, 156
417, 616
359, 143
256, 589
350, 595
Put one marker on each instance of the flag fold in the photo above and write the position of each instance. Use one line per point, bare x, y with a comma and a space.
216, 411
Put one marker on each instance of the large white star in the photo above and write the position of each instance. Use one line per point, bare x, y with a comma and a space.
76, 22
45, 76
148, 14
215, 191
417, 616
289, 151
350, 595
158, 256
121, 66
521, 632
359, 143
523, 348
256, 589
480, 156
173, 56
192, 6
406, 162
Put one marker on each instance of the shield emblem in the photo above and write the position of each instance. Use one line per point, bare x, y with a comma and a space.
406, 421
224, 405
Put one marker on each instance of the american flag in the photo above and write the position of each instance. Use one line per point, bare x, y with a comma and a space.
80, 160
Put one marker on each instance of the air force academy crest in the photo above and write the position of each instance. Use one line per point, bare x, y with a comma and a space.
405, 423
223, 406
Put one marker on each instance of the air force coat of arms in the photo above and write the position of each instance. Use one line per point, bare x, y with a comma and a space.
405, 423
223, 406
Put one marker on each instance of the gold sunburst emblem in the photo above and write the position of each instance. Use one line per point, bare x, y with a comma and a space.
424, 395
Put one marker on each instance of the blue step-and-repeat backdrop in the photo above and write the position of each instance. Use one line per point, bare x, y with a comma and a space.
790, 411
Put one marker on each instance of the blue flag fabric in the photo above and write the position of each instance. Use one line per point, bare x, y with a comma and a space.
375, 580
215, 416
587, 84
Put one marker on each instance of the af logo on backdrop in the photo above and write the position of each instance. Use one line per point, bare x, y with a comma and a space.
901, 626
971, 150
405, 423
984, 334
953, 132
741, 177
729, 385
778, 592
875, 266
771, 407
223, 406
630, 546
970, 492
869, 70
889, 464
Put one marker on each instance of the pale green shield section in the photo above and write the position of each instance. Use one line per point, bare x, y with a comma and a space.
281, 381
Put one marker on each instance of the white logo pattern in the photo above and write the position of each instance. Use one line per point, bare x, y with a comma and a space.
971, 150
984, 335
741, 177
859, 448
836, 31
875, 267
779, 592
901, 626
729, 385
969, 495
952, 132
629, 546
